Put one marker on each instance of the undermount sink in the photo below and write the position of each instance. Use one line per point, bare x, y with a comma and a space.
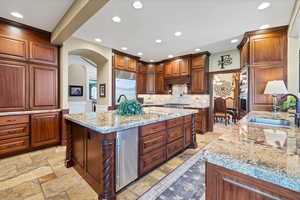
270, 122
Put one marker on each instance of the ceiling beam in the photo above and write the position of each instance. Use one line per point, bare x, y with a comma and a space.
79, 12
294, 16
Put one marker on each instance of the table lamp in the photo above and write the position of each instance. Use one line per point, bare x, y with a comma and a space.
275, 88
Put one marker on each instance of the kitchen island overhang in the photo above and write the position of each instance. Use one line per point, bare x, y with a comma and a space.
93, 143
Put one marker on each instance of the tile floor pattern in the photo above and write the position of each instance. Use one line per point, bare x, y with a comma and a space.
41, 175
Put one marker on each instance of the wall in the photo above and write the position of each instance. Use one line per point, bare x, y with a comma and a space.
214, 59
78, 76
100, 55
293, 65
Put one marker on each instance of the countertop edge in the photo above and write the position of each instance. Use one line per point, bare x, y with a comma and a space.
28, 112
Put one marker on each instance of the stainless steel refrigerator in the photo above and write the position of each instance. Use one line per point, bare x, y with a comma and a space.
125, 84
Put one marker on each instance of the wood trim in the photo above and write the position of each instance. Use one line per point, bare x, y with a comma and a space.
125, 54
226, 71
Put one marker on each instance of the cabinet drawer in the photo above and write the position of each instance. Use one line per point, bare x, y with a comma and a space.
152, 128
175, 147
175, 133
19, 119
151, 160
152, 142
12, 131
15, 144
175, 122
188, 119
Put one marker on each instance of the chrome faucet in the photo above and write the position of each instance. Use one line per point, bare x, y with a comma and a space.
297, 114
119, 99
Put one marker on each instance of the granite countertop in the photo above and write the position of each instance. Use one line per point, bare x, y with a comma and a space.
108, 121
27, 112
263, 152
189, 106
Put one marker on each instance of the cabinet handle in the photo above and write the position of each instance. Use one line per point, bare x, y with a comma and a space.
156, 158
11, 120
246, 187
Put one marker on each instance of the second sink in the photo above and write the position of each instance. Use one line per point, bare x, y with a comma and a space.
270, 122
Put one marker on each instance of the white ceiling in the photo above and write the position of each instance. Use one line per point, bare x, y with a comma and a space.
42, 14
205, 24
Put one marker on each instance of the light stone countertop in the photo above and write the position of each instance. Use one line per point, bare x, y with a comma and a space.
189, 106
28, 112
108, 121
263, 152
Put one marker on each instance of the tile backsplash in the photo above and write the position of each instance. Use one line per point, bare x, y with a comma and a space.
198, 100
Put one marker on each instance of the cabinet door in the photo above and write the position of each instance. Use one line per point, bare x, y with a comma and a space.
268, 49
141, 83
184, 67
198, 61
168, 69
13, 48
198, 81
78, 144
93, 153
245, 55
259, 78
159, 83
150, 84
44, 129
43, 53
175, 68
121, 62
43, 87
187, 134
13, 86
132, 65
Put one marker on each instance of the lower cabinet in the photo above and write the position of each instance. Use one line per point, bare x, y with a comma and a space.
161, 141
225, 184
201, 121
44, 129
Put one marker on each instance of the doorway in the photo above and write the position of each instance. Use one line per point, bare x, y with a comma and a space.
225, 88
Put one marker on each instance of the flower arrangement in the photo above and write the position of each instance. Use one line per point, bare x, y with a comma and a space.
130, 108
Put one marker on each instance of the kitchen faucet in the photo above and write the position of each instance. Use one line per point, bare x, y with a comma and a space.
119, 99
297, 114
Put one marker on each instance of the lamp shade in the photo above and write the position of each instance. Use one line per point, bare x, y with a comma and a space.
276, 87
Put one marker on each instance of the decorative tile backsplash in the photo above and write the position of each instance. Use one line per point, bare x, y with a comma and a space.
198, 100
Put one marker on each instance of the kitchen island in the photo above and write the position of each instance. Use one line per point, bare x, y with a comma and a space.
256, 161
110, 151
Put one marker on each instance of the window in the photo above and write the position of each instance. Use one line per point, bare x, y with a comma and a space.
93, 90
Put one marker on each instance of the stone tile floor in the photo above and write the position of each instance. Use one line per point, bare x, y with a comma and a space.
41, 175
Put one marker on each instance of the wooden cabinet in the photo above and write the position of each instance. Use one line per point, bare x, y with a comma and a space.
188, 134
225, 184
43, 53
159, 83
13, 86
199, 61
43, 87
177, 67
175, 147
151, 160
124, 62
201, 120
184, 68
152, 142
259, 79
198, 81
141, 83
13, 48
150, 82
45, 129
266, 53
152, 128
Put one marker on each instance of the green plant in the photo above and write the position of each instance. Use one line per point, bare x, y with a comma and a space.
130, 108
290, 102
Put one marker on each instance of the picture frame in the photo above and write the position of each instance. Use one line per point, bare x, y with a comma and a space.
75, 91
102, 90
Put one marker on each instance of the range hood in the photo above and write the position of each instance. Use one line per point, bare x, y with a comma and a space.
178, 80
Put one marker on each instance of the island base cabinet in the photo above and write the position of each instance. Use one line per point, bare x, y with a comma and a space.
225, 184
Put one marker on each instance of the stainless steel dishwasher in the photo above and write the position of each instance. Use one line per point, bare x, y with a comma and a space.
126, 157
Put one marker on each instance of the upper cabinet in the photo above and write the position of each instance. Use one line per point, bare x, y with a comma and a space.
43, 53
124, 62
43, 87
177, 67
13, 48
265, 53
13, 86
199, 74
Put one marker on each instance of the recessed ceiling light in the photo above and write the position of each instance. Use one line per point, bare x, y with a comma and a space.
98, 40
178, 33
124, 48
116, 19
137, 5
170, 56
263, 5
17, 15
140, 53
197, 50
265, 26
151, 60
234, 41
158, 41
